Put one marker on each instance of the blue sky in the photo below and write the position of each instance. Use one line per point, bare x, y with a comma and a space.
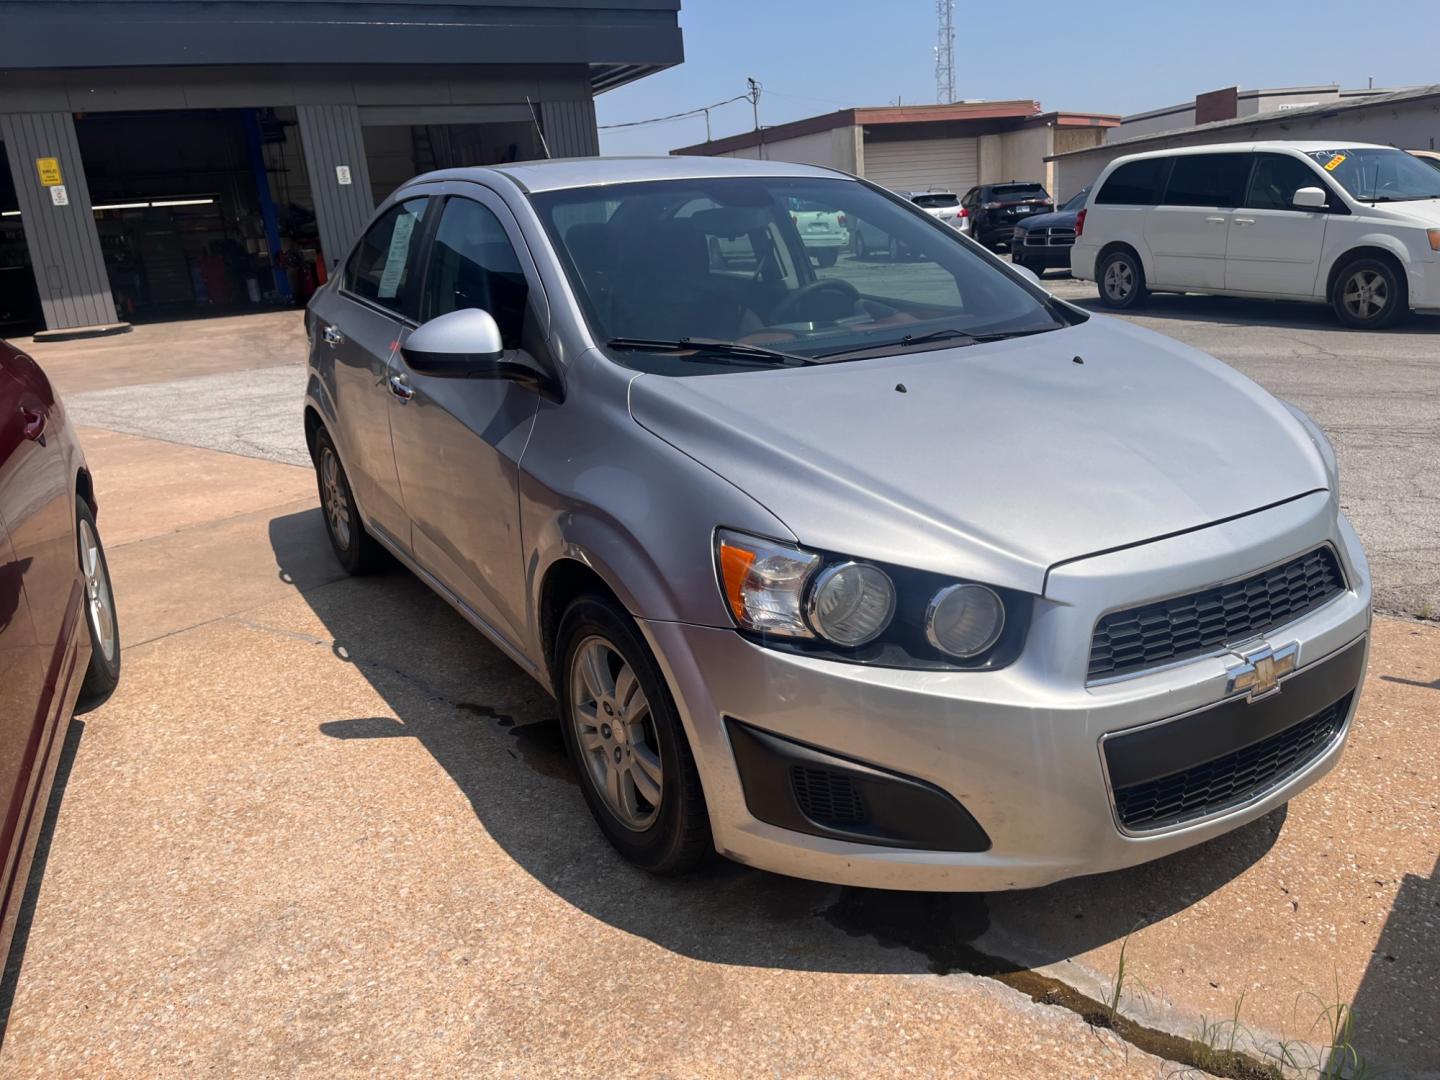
815, 56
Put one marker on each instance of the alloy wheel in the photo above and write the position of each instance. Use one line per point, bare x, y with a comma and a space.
1119, 280
1366, 294
99, 600
337, 504
616, 733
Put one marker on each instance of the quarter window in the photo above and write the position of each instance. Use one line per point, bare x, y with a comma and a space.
474, 265
1276, 179
1137, 183
1208, 180
379, 268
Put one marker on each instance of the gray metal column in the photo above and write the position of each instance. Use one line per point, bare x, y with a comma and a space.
334, 147
64, 245
570, 127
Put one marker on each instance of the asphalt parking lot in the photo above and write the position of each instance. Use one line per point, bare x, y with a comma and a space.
323, 828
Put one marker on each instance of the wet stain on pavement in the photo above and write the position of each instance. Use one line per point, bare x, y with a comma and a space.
539, 744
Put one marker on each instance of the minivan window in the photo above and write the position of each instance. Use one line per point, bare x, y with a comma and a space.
1136, 183
473, 265
1377, 174
379, 268
1276, 179
1207, 180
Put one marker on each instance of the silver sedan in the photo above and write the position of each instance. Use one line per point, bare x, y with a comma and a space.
898, 572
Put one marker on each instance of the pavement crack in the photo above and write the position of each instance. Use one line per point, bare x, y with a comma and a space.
943, 928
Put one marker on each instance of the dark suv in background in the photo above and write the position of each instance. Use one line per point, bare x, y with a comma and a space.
993, 209
1043, 241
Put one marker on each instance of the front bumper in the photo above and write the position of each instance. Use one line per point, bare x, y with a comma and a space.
1424, 282
1020, 749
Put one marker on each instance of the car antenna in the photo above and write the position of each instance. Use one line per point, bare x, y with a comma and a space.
539, 131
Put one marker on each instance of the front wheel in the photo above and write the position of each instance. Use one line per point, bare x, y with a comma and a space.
625, 737
827, 257
103, 625
1122, 280
1369, 295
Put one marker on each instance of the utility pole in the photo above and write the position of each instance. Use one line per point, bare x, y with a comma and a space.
754, 96
945, 52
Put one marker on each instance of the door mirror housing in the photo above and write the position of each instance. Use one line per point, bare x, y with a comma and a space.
467, 344
1310, 198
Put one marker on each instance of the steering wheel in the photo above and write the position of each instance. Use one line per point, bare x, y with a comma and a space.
846, 296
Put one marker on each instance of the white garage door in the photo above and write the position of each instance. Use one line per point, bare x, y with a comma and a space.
917, 164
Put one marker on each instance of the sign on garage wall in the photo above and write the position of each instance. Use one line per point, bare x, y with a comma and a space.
59, 196
342, 174
49, 170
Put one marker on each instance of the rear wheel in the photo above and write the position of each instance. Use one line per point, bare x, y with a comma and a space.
103, 673
624, 734
827, 257
358, 551
1369, 295
1122, 280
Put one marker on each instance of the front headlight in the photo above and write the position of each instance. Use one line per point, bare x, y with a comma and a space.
1322, 443
863, 612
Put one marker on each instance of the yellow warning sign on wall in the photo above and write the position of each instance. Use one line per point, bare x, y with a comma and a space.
49, 170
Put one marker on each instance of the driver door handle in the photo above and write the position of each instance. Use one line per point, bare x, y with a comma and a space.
401, 389
1217, 219
1244, 221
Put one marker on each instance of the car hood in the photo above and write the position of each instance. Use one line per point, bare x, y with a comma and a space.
1065, 218
1424, 212
997, 461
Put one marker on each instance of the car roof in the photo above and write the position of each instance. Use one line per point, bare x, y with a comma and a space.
558, 174
1304, 146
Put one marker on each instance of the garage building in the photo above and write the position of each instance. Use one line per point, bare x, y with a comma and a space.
918, 147
174, 157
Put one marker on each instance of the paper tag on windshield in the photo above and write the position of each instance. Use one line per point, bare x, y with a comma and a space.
1334, 162
395, 257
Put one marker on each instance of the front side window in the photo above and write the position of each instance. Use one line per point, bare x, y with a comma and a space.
1376, 174
1136, 183
1276, 179
1208, 180
380, 267
807, 266
474, 265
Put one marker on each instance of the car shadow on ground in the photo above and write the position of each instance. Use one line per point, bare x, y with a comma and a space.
499, 741
1236, 311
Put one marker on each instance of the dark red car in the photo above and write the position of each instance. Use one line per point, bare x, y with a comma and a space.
59, 639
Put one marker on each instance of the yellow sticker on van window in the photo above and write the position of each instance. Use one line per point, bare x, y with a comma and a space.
1334, 162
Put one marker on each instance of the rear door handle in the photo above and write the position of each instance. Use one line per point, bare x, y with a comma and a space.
34, 424
333, 336
400, 388
1244, 221
1217, 219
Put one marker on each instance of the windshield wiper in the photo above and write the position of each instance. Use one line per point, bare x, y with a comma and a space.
709, 347
961, 338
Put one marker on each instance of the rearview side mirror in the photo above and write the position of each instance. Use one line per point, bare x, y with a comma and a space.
1309, 198
467, 344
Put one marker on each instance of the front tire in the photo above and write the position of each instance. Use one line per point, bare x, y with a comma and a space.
101, 621
359, 552
1369, 294
1121, 280
625, 737
828, 257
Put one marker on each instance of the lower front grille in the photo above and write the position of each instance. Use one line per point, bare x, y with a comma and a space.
827, 798
1235, 778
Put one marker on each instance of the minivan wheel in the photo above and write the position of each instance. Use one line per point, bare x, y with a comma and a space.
625, 737
103, 673
1368, 294
358, 551
1122, 281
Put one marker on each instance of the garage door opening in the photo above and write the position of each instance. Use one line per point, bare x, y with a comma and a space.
396, 152
202, 211
19, 298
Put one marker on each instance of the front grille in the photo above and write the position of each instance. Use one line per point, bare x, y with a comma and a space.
1186, 626
827, 798
1230, 780
1049, 236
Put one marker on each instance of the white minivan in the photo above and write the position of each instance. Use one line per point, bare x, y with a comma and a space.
1354, 225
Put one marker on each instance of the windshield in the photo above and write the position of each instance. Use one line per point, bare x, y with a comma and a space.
1379, 175
935, 200
729, 260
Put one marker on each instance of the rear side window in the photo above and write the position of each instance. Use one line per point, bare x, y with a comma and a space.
383, 262
473, 265
1208, 180
1276, 179
1136, 183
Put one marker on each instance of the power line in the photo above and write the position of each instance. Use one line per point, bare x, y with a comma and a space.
676, 116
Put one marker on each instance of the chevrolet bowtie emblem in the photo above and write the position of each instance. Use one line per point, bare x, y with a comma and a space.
1261, 669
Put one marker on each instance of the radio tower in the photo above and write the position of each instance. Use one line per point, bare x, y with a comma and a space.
945, 52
